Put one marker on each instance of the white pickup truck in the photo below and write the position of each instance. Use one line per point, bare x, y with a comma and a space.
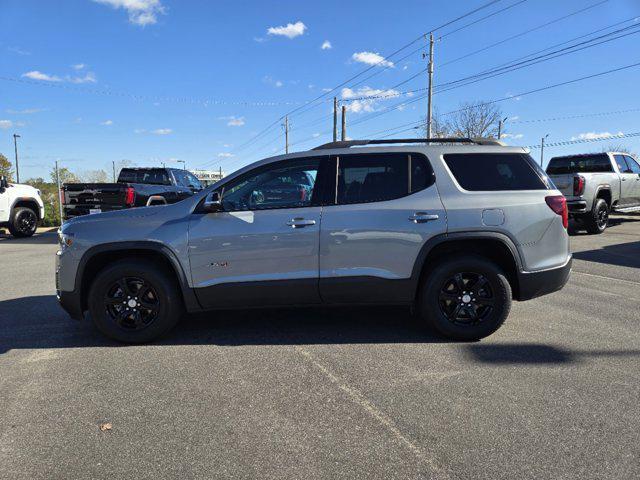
596, 184
21, 208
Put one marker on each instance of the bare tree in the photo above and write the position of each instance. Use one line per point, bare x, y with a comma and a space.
95, 176
618, 147
473, 119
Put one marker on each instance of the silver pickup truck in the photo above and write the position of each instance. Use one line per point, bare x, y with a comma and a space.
596, 184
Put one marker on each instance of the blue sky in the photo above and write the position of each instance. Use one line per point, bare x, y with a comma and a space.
86, 82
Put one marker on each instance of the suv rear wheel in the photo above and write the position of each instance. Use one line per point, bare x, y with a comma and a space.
24, 222
134, 301
466, 298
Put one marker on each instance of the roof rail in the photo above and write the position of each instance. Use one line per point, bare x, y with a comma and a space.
358, 143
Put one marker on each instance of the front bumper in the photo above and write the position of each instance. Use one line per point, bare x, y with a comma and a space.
71, 302
536, 284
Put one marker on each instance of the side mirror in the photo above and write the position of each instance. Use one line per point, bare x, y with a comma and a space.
213, 203
4, 183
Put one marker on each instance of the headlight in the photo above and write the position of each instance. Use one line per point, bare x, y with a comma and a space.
65, 239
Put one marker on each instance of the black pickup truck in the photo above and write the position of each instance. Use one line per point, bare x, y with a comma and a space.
136, 187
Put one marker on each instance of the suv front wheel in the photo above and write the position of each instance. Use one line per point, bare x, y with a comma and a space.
466, 298
134, 301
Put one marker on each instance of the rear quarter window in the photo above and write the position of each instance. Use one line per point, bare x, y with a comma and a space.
495, 171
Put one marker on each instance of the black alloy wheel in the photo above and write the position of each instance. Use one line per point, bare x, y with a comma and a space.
132, 303
466, 298
135, 300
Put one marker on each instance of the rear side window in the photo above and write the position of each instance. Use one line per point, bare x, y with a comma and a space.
494, 171
633, 165
579, 164
622, 164
377, 177
152, 176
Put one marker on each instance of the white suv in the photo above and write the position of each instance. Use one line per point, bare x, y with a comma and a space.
21, 208
453, 228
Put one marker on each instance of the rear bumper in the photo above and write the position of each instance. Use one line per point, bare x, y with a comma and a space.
577, 206
536, 284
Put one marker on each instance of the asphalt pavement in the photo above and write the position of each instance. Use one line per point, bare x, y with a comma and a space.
312, 393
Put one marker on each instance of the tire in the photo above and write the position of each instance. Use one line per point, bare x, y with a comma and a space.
144, 285
466, 298
597, 219
23, 223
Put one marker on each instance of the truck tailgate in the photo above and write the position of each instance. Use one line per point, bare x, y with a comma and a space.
85, 198
564, 183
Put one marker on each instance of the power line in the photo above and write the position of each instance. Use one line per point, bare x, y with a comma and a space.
571, 117
587, 140
481, 19
525, 32
184, 100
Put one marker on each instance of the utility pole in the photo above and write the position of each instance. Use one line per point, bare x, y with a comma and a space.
286, 134
113, 163
335, 119
500, 124
344, 122
15, 146
542, 150
430, 94
59, 192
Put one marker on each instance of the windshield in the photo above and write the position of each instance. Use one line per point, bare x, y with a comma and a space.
579, 164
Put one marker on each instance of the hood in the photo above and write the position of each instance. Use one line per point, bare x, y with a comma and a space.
24, 190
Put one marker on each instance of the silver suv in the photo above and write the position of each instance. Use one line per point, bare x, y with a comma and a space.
452, 228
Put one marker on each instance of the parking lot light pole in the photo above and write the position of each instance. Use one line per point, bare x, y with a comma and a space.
542, 150
15, 146
184, 164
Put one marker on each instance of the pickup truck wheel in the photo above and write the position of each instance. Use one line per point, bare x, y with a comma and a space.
467, 298
23, 223
597, 220
134, 301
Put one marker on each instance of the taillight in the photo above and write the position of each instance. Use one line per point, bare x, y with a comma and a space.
558, 204
62, 197
130, 197
578, 185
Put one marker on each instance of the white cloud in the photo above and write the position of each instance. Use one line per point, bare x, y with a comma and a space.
515, 136
107, 122
371, 58
327, 89
226, 155
326, 45
511, 95
4, 124
233, 121
594, 135
26, 111
227, 145
88, 78
141, 12
161, 131
78, 66
271, 81
291, 30
363, 104
139, 130
18, 51
36, 75
315, 135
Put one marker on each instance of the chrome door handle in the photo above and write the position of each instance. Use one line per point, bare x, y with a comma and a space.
300, 223
422, 217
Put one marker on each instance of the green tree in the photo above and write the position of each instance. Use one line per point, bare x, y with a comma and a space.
66, 176
95, 176
49, 195
5, 167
